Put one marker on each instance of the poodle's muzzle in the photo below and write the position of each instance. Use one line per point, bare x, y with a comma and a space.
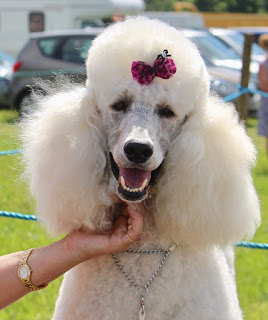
133, 182
137, 149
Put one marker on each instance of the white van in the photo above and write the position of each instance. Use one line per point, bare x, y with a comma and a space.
18, 18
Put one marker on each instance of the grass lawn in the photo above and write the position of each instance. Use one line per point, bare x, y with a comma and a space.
16, 235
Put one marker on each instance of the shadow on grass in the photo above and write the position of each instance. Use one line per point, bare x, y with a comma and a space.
262, 172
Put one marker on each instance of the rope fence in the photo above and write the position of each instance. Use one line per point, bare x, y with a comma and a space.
9, 152
241, 91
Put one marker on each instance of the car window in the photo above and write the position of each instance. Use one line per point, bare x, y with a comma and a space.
239, 39
47, 46
215, 49
75, 49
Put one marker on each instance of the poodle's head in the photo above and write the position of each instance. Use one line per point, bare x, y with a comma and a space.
143, 111
90, 148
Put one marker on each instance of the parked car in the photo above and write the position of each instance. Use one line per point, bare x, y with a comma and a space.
47, 54
6, 63
224, 66
235, 40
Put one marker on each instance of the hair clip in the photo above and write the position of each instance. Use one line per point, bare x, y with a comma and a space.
163, 68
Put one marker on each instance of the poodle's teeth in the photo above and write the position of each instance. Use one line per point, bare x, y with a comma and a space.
123, 184
144, 184
140, 189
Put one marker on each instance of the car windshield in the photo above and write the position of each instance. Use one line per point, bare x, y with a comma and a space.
239, 39
213, 49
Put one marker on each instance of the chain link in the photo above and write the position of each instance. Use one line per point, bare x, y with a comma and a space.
146, 251
145, 287
166, 253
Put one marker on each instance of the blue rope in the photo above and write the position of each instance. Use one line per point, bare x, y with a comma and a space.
17, 215
242, 91
253, 91
252, 245
235, 95
8, 152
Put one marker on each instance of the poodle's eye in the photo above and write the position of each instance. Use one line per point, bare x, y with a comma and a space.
119, 106
166, 112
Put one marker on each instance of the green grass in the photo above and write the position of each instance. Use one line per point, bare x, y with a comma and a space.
252, 264
15, 235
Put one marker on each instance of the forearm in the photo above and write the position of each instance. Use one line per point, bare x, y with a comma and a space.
47, 263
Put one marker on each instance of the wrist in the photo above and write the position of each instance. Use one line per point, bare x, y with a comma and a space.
25, 272
78, 247
72, 249
50, 262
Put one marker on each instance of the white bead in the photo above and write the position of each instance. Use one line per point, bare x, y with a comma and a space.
172, 247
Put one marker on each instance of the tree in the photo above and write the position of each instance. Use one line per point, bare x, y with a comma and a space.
210, 5
248, 6
159, 5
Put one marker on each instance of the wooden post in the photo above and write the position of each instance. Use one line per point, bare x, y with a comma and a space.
242, 106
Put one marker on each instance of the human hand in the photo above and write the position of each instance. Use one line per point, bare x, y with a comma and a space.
86, 245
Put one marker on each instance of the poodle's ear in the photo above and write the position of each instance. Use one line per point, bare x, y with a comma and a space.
64, 159
207, 195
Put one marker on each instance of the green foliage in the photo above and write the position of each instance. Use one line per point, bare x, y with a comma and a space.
159, 5
245, 6
16, 235
211, 5
248, 6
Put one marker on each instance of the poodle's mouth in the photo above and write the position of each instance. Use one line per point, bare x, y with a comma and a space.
133, 183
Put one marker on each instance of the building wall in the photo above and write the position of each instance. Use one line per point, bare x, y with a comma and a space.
226, 20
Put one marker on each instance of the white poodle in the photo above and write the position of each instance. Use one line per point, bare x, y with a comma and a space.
144, 128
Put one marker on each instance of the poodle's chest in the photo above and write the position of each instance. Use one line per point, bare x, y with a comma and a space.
184, 289
104, 291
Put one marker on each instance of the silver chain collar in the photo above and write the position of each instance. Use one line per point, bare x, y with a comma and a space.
142, 291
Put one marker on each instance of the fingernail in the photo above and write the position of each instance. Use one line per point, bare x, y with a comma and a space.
132, 206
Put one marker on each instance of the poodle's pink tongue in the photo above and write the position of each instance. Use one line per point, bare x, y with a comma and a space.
134, 178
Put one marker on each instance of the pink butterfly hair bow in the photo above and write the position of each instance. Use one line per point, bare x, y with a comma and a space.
163, 67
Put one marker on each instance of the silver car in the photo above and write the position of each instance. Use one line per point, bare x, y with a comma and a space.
47, 54
224, 66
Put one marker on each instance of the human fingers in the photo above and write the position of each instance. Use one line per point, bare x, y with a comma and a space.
136, 217
138, 206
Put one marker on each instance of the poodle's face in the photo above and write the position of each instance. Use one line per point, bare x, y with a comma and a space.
141, 120
141, 131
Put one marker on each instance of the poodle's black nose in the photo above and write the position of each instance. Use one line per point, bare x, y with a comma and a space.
138, 152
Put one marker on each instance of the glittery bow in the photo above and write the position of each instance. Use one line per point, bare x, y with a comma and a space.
163, 68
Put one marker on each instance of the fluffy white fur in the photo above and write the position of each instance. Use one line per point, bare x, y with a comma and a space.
204, 198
